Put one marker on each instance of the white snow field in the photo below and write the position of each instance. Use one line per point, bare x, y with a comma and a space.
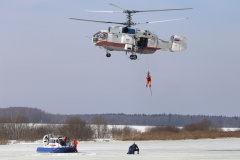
205, 149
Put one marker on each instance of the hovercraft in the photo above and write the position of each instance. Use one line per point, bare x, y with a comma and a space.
60, 144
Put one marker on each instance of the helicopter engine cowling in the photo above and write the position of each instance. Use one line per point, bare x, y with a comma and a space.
179, 43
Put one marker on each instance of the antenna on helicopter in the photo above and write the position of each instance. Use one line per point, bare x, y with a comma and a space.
129, 14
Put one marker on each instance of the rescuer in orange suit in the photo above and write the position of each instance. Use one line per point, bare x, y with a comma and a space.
75, 143
149, 78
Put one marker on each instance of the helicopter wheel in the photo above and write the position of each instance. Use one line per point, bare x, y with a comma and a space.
133, 57
108, 55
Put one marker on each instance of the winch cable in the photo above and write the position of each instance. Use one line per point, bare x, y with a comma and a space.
150, 90
147, 63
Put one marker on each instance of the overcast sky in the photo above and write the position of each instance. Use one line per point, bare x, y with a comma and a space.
47, 61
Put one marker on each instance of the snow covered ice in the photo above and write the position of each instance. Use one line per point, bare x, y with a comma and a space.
205, 149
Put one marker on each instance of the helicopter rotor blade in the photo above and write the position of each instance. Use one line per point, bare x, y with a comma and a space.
168, 20
136, 11
104, 11
95, 21
117, 6
161, 10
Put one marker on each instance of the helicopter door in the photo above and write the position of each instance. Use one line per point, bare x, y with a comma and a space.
152, 42
142, 43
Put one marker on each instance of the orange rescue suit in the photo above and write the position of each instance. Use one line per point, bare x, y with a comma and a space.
75, 143
149, 78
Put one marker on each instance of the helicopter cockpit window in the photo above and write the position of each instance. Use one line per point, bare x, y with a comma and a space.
99, 36
103, 35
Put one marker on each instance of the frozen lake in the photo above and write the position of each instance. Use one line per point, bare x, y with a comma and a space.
207, 149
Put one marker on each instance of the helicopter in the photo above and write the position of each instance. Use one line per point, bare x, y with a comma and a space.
133, 40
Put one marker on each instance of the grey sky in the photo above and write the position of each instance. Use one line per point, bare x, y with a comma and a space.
46, 60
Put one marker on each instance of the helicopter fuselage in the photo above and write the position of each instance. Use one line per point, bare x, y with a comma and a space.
118, 38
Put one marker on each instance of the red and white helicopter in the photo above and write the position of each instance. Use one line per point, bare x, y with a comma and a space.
133, 40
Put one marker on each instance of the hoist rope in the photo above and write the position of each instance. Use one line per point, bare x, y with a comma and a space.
150, 90
147, 63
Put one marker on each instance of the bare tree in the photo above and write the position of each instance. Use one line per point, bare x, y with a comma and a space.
116, 132
76, 128
164, 129
203, 125
15, 128
3, 134
100, 126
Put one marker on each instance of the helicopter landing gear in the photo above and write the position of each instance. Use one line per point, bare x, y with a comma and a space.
133, 57
108, 55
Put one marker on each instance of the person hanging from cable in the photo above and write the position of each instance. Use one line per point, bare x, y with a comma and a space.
149, 78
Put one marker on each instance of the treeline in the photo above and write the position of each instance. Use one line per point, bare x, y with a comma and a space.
17, 128
34, 115
76, 128
197, 130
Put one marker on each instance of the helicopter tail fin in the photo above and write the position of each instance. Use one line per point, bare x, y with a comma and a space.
179, 43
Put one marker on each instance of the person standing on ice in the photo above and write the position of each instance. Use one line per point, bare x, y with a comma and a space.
149, 78
74, 144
